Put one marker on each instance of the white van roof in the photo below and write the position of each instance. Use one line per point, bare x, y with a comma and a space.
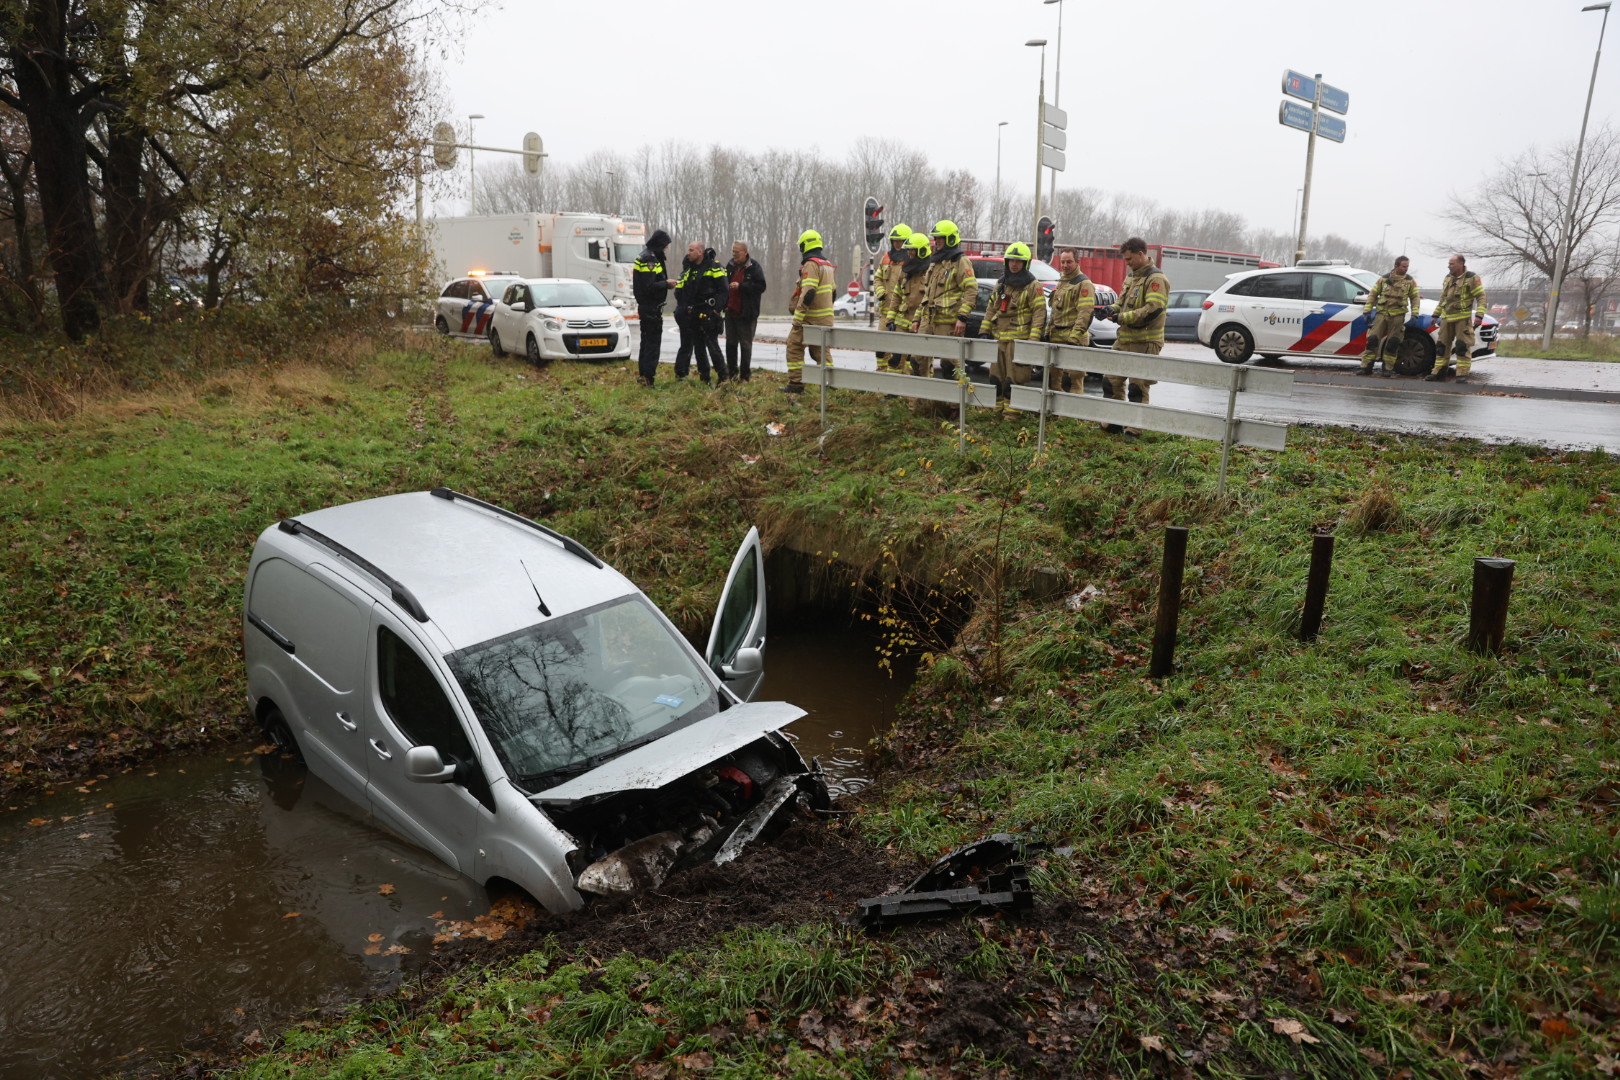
471, 569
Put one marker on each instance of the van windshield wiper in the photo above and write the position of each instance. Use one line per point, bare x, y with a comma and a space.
584, 765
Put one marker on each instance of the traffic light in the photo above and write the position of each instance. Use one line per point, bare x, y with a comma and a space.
874, 225
1044, 242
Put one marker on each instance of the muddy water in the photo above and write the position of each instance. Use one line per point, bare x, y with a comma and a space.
208, 897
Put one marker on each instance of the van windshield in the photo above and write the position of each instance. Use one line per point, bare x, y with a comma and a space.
567, 694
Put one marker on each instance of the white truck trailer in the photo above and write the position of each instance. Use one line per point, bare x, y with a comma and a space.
598, 248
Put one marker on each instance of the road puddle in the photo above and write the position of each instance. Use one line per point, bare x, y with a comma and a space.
218, 896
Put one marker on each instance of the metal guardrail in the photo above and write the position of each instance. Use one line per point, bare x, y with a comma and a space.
1228, 430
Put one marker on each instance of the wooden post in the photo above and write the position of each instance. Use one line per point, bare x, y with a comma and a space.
1487, 622
1316, 586
1164, 635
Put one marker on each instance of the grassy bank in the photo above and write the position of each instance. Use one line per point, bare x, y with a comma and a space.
1603, 348
1372, 854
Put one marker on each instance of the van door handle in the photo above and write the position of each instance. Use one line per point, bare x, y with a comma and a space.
348, 725
382, 751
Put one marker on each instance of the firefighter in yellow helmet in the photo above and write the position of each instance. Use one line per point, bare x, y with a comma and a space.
1141, 314
950, 288
1462, 308
887, 289
914, 275
811, 306
1016, 311
1385, 312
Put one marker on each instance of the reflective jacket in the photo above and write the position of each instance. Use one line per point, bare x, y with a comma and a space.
1393, 294
1461, 295
1073, 303
912, 288
815, 293
649, 281
1141, 306
951, 288
888, 285
1015, 313
703, 289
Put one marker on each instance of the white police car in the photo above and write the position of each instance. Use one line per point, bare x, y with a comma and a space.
466, 303
1313, 308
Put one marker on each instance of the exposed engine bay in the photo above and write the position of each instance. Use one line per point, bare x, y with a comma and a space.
630, 841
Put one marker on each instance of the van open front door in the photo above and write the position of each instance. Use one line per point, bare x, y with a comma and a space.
736, 649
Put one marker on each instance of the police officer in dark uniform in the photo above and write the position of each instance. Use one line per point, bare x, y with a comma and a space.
651, 284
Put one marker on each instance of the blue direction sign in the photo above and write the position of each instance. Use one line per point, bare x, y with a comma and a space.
1329, 127
1294, 116
1335, 100
1301, 86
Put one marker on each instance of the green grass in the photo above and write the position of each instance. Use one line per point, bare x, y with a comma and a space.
1407, 848
1602, 348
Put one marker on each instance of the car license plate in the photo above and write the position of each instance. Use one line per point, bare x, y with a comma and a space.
588, 342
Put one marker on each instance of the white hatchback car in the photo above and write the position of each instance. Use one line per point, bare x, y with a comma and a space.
465, 304
557, 319
497, 695
1313, 309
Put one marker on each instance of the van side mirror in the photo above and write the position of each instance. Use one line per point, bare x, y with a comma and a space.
423, 765
746, 663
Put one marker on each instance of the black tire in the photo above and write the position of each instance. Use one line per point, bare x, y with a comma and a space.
1417, 353
441, 326
495, 343
278, 733
1270, 357
532, 349
1232, 343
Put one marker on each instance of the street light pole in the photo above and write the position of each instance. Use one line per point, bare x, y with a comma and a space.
1057, 83
1561, 259
1382, 237
472, 172
1040, 119
996, 215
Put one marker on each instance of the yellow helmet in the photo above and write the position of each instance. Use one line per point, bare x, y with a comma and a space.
900, 232
947, 232
1018, 250
918, 242
809, 240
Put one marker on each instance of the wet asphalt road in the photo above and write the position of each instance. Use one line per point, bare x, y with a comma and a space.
1560, 404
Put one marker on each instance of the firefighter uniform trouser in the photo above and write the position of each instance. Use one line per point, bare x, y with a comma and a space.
796, 347
1384, 340
1004, 368
652, 332
1116, 383
1454, 335
924, 365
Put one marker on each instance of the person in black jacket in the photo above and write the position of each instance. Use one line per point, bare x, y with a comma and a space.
651, 283
742, 308
700, 304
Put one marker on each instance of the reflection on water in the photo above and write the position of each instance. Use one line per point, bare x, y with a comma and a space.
828, 666
212, 895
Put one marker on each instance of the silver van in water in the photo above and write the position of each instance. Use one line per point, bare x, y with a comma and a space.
493, 692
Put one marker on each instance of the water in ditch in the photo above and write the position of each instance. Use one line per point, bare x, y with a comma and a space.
208, 897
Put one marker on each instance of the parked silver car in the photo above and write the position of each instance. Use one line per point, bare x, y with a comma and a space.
496, 694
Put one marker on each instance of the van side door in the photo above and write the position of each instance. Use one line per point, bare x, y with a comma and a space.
409, 704
740, 622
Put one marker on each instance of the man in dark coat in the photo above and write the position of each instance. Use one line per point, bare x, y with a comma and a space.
651, 284
700, 304
747, 283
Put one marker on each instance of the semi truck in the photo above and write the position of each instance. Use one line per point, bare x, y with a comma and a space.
598, 248
1186, 267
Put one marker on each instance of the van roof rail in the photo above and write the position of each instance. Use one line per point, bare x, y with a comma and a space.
402, 596
572, 546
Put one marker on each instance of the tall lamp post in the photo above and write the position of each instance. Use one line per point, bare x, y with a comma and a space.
1057, 83
1567, 226
1040, 119
472, 171
1383, 237
996, 214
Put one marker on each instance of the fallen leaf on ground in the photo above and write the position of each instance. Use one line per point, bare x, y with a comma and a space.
1291, 1028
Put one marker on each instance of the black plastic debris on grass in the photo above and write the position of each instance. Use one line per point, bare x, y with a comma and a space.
988, 873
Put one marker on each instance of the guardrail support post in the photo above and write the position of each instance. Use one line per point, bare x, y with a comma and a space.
1227, 432
1487, 622
1046, 401
1164, 635
1316, 586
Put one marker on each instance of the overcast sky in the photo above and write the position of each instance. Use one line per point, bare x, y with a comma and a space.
1174, 99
